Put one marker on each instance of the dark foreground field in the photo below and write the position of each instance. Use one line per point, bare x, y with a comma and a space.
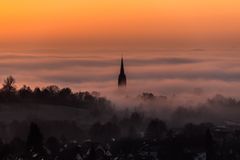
57, 124
120, 141
53, 132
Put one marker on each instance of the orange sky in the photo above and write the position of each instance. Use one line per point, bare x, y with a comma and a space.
121, 22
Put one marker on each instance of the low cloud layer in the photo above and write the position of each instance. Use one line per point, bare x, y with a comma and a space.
160, 73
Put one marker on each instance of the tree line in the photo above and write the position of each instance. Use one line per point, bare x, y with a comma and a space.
51, 94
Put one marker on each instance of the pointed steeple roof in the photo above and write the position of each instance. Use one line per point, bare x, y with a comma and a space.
122, 67
122, 80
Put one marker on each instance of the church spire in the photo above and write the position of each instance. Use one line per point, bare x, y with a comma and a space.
122, 81
122, 67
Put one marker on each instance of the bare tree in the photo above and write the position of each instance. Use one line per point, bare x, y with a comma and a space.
9, 85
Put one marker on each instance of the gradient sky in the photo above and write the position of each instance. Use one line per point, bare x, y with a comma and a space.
172, 46
122, 23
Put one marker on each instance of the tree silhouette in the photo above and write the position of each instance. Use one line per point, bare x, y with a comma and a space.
155, 129
34, 144
209, 145
25, 92
9, 85
65, 92
35, 138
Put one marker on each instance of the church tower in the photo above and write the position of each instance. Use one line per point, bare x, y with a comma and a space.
122, 80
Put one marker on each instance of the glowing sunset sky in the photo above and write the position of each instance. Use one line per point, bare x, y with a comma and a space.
172, 46
151, 23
